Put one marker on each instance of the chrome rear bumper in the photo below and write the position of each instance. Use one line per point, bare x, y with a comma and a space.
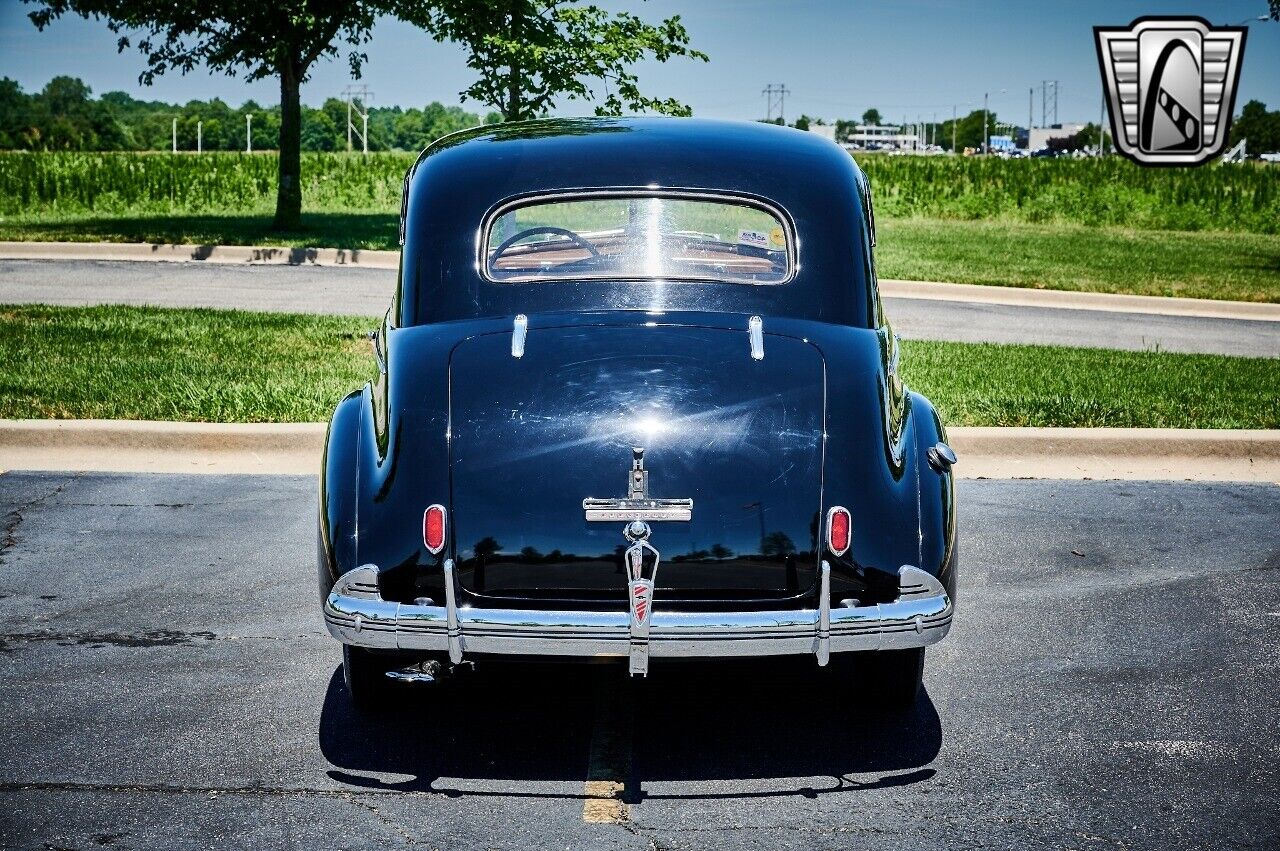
355, 613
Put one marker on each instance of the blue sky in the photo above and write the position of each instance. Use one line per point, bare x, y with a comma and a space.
910, 59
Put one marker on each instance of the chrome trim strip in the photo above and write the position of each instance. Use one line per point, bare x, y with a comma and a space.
355, 614
519, 329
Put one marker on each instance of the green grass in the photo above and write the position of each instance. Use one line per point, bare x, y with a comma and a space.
152, 364
231, 366
1110, 192
1236, 266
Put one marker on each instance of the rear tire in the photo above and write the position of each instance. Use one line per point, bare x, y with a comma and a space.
893, 678
884, 680
365, 674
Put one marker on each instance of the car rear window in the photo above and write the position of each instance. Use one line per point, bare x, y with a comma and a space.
639, 237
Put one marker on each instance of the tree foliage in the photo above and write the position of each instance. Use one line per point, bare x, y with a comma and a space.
872, 116
530, 54
1260, 128
279, 38
64, 116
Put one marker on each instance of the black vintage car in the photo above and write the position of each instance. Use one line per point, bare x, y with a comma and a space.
636, 397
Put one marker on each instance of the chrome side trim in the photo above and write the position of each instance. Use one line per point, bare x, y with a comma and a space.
355, 614
519, 329
755, 327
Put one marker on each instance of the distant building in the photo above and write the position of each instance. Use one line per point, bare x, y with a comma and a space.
877, 136
826, 131
1039, 136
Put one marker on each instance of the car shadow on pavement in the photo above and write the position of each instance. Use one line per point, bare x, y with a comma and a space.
685, 723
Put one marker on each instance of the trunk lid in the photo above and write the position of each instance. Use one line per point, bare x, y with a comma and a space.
532, 437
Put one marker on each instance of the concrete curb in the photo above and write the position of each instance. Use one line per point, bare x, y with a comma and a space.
175, 253
368, 259
1069, 300
998, 453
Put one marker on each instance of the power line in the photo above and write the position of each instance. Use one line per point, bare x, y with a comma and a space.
1046, 86
776, 93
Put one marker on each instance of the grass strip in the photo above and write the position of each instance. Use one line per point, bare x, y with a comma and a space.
236, 366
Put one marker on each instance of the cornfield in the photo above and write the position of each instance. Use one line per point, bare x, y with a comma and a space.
1106, 192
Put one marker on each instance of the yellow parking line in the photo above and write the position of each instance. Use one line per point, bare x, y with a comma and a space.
610, 761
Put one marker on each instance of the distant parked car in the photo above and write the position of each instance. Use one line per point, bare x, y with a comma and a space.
637, 397
1271, 158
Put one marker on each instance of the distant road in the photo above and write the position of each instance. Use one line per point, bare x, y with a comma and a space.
367, 292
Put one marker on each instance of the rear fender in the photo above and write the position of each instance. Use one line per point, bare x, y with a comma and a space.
339, 473
939, 549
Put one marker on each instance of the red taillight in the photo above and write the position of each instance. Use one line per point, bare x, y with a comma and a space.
838, 530
433, 529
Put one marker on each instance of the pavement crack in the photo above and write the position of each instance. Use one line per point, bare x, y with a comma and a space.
12, 520
152, 638
207, 791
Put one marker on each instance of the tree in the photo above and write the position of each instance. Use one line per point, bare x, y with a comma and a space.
486, 546
776, 545
529, 53
872, 116
281, 38
1260, 128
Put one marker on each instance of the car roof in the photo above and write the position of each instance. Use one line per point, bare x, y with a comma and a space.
462, 178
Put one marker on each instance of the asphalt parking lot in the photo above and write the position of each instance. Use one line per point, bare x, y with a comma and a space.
1110, 682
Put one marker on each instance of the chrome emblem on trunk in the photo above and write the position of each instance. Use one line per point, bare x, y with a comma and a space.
637, 504
641, 562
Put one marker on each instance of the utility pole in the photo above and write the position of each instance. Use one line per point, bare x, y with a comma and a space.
776, 93
1031, 109
358, 98
984, 123
199, 137
248, 132
1102, 126
175, 135
953, 128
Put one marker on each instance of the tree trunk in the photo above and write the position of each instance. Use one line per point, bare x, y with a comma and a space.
289, 190
511, 112
513, 109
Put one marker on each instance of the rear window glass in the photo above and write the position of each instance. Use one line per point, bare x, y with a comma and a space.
639, 237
